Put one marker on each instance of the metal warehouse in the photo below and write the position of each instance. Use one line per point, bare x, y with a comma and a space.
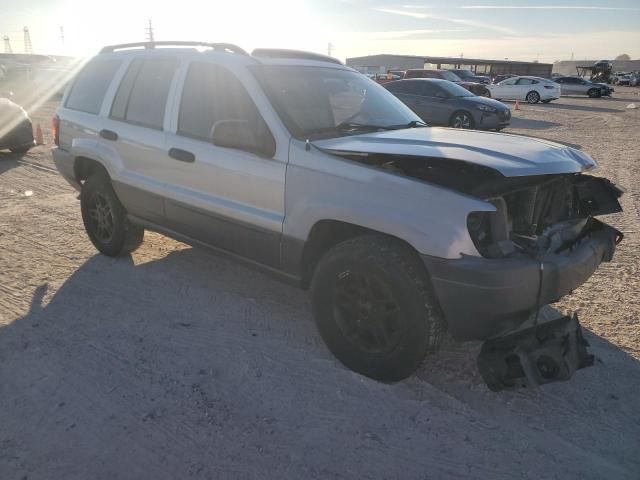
383, 63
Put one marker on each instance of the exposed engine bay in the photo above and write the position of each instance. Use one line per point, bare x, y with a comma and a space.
534, 215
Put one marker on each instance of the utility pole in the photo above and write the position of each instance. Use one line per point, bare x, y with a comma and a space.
329, 48
149, 32
7, 44
28, 48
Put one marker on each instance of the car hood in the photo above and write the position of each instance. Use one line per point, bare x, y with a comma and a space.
511, 155
485, 101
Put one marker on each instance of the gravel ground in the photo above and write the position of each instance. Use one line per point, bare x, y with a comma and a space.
175, 363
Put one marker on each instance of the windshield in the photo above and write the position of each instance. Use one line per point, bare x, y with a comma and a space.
463, 73
455, 90
318, 101
452, 77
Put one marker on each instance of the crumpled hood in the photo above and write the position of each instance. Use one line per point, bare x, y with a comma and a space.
511, 155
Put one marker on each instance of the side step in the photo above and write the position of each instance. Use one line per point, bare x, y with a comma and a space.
548, 352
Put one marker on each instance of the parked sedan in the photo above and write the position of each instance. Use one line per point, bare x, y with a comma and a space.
530, 89
440, 102
16, 132
580, 86
473, 87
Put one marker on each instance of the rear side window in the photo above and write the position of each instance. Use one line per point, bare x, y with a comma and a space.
142, 95
90, 86
211, 94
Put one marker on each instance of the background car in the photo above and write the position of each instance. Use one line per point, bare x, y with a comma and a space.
473, 87
500, 78
529, 89
16, 131
469, 76
441, 102
622, 79
580, 86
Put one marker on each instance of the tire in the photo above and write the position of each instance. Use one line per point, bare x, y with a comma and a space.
461, 119
374, 274
21, 150
594, 93
105, 219
532, 97
486, 93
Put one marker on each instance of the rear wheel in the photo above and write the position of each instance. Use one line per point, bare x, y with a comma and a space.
374, 307
461, 119
594, 93
105, 219
533, 97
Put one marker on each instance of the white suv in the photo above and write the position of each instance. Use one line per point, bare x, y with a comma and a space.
310, 170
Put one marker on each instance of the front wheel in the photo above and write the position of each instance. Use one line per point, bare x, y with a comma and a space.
594, 93
105, 219
533, 97
374, 307
461, 120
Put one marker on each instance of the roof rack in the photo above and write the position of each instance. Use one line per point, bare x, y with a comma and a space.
296, 54
218, 47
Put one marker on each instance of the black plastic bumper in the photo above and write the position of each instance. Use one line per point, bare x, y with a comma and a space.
482, 297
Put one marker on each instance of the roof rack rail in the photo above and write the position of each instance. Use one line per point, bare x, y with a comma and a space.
296, 54
218, 47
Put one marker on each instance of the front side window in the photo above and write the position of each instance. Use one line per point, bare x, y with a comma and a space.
142, 95
212, 94
455, 90
527, 81
511, 81
90, 86
318, 101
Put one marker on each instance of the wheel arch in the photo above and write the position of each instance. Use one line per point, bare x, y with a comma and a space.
83, 167
326, 234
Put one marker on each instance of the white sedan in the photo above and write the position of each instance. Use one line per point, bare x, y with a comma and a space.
530, 89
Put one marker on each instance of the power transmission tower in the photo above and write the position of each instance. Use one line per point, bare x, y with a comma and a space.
28, 48
149, 32
7, 44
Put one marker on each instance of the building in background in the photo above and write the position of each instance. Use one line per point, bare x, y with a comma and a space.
383, 63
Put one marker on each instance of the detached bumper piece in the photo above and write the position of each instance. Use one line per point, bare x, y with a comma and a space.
549, 352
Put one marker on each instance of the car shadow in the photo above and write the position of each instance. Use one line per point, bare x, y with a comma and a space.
8, 160
530, 124
190, 363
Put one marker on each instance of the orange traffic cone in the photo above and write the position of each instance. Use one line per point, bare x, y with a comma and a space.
517, 105
39, 136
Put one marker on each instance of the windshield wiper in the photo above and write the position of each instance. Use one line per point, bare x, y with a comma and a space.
364, 126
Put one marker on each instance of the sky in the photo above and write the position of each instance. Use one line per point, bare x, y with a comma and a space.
541, 30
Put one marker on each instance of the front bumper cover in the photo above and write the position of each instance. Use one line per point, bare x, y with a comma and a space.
482, 298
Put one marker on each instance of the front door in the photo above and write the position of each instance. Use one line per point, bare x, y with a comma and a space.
226, 197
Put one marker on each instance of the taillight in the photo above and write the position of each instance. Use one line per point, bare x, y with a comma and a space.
55, 129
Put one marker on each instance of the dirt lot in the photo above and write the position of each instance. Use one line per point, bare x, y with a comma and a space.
178, 364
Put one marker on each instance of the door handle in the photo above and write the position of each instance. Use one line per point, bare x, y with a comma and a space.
182, 155
108, 135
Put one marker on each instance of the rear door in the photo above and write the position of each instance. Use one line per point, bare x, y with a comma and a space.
524, 86
225, 197
135, 129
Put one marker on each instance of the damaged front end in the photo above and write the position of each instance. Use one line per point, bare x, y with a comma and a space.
540, 243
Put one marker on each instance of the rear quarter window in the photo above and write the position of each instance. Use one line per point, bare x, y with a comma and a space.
91, 84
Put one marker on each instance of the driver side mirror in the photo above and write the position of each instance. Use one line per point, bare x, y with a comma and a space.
240, 135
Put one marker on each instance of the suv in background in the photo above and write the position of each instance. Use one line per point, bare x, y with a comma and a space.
469, 76
309, 170
473, 87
